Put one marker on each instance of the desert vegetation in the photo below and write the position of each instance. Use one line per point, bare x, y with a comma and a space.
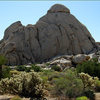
33, 81
23, 84
92, 67
2, 61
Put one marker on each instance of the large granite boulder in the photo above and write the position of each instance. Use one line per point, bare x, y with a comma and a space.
56, 33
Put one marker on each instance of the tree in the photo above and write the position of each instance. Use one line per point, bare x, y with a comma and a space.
2, 62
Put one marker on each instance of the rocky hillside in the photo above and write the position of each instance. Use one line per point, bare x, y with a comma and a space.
56, 33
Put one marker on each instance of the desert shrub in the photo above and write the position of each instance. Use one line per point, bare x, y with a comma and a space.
36, 68
91, 67
14, 72
20, 68
56, 68
82, 98
54, 75
87, 80
6, 72
27, 69
23, 68
68, 84
90, 94
47, 64
16, 98
89, 83
24, 84
97, 83
3, 60
46, 74
44, 78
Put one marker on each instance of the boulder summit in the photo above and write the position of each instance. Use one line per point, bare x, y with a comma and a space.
56, 33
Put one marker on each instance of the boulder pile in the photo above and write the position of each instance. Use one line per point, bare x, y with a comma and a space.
66, 61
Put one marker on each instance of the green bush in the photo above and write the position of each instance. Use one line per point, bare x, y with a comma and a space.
91, 67
3, 60
24, 84
6, 72
54, 75
97, 88
56, 68
90, 94
20, 68
27, 69
47, 64
23, 68
82, 98
46, 74
68, 84
36, 68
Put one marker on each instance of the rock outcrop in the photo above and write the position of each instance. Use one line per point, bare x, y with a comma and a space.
56, 33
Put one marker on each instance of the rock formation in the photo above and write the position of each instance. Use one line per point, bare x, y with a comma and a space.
56, 33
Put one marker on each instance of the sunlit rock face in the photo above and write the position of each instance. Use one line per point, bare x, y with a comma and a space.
56, 33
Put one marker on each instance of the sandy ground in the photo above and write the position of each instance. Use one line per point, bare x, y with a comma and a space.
97, 96
8, 97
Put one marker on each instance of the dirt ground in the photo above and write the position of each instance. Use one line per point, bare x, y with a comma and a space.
8, 97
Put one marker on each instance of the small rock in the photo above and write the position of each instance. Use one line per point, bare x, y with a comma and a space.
61, 62
92, 55
46, 68
80, 58
98, 53
28, 66
5, 97
41, 65
65, 62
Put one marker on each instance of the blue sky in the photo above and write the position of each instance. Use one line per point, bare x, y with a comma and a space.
29, 12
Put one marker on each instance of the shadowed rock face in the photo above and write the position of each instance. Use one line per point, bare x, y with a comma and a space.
56, 33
